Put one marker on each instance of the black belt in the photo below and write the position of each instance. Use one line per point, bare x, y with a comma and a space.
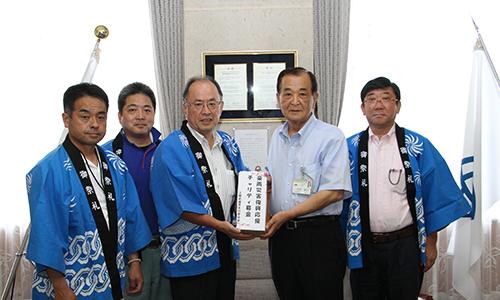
386, 237
309, 222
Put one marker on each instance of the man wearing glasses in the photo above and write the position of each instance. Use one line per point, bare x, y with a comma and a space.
403, 194
193, 181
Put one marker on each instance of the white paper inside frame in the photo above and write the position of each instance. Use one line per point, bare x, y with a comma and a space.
251, 202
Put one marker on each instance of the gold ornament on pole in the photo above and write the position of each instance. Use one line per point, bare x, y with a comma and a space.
101, 32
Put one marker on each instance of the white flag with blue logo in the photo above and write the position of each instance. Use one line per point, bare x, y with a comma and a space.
480, 173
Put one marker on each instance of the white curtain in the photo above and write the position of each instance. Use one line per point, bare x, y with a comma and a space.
331, 40
438, 281
10, 242
167, 19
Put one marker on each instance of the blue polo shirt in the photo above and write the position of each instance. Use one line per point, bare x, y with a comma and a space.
138, 160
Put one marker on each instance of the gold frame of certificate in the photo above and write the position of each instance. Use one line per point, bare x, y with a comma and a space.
248, 82
252, 202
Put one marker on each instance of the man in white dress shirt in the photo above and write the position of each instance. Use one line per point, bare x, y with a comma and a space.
193, 182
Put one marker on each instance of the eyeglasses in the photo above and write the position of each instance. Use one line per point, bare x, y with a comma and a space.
198, 105
384, 100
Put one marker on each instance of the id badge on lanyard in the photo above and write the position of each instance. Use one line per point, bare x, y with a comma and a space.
303, 184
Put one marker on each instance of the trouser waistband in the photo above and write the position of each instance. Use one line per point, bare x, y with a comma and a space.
310, 222
386, 237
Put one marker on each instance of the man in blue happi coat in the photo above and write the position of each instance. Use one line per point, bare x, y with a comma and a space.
403, 194
193, 181
86, 220
136, 144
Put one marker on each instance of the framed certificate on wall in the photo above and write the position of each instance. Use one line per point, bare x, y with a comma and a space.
248, 81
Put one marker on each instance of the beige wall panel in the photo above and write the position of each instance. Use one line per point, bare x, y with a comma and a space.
235, 25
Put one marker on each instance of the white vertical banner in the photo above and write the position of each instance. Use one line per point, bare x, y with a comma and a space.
479, 174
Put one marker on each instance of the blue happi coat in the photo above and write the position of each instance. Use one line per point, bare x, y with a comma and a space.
64, 235
438, 199
178, 186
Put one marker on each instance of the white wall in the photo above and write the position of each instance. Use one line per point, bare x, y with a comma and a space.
426, 48
45, 48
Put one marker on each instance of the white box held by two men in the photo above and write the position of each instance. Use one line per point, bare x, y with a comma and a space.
251, 202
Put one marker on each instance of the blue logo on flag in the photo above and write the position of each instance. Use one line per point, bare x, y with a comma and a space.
467, 182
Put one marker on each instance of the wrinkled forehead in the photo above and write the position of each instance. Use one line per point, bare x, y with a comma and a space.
89, 103
296, 82
202, 90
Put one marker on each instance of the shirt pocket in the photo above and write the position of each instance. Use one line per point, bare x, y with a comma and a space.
313, 171
396, 178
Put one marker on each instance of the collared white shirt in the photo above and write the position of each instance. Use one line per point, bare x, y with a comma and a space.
101, 197
318, 151
389, 210
221, 168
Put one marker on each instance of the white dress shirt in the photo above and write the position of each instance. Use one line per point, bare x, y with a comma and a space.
220, 167
389, 210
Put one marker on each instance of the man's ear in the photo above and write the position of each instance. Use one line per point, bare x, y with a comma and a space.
363, 108
316, 98
65, 118
221, 107
185, 108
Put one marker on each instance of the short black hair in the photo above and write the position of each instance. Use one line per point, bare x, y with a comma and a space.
132, 89
194, 79
80, 90
297, 71
380, 83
